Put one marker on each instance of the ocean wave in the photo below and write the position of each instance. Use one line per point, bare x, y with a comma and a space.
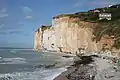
48, 74
11, 59
0, 58
13, 51
17, 60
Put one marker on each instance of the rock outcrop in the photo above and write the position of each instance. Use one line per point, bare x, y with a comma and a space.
73, 34
69, 35
45, 38
37, 40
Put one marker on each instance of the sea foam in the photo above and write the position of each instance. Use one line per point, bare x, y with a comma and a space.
16, 60
48, 74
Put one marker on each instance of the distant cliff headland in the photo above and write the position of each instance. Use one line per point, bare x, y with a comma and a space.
70, 32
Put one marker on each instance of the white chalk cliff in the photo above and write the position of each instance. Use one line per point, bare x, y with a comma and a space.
68, 35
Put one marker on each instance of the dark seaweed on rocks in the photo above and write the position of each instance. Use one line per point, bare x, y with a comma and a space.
83, 60
46, 66
82, 69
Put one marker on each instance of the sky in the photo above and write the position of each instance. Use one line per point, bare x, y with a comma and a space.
20, 18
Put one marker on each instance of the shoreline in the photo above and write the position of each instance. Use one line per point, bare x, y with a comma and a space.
56, 74
72, 68
61, 53
67, 56
37, 70
91, 67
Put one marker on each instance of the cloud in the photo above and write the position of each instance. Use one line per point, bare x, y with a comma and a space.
80, 3
21, 23
2, 15
14, 32
5, 26
28, 17
2, 25
102, 3
10, 32
26, 34
26, 10
95, 3
3, 10
3, 33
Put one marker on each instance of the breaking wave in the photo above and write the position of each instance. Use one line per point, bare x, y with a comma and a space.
48, 74
13, 51
16, 60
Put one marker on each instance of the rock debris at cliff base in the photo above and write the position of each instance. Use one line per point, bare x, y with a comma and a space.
96, 69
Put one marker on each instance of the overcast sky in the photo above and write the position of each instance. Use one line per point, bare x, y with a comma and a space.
20, 18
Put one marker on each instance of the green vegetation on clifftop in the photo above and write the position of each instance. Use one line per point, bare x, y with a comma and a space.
45, 27
111, 27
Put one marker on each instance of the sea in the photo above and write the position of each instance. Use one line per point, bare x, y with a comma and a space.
27, 64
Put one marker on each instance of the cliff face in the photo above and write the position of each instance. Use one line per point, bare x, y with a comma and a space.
49, 39
37, 39
69, 35
73, 34
45, 39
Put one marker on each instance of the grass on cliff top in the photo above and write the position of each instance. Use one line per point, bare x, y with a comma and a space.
111, 28
93, 17
45, 27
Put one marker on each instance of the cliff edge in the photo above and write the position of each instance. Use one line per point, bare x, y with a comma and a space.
71, 32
